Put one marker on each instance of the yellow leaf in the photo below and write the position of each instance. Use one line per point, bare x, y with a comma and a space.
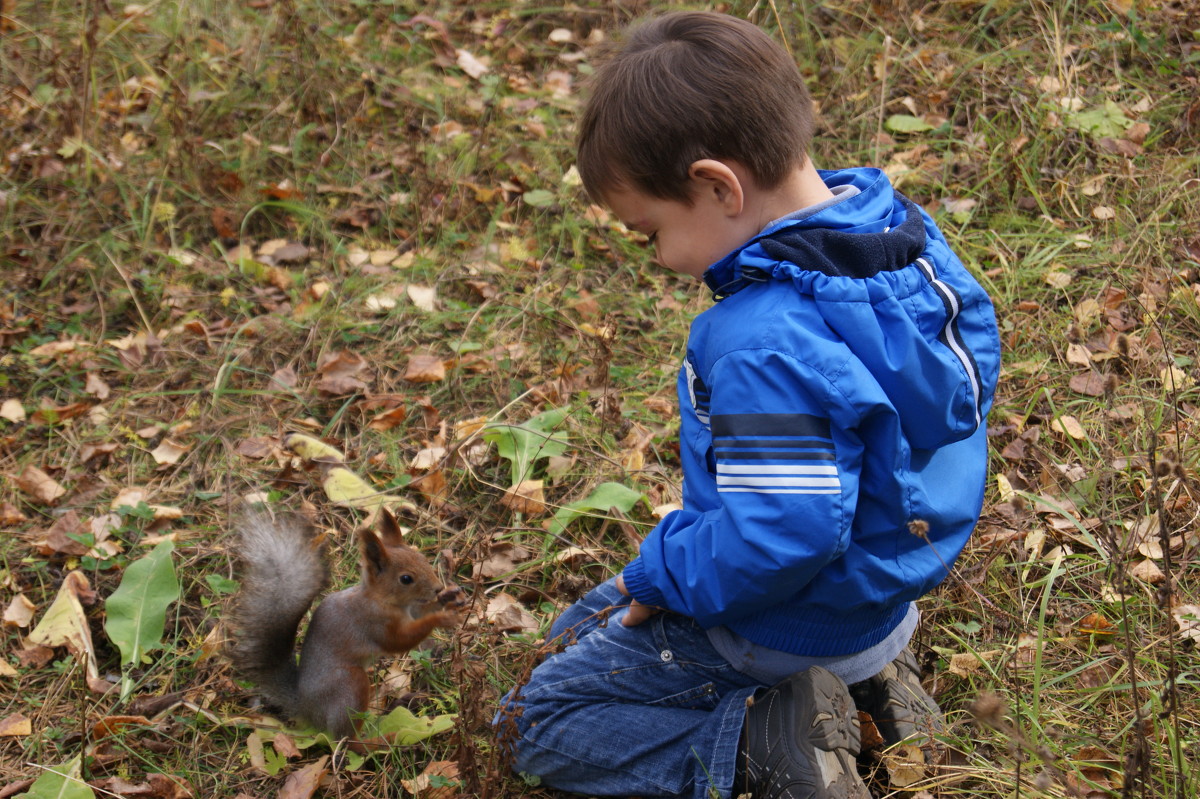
1069, 425
15, 726
311, 448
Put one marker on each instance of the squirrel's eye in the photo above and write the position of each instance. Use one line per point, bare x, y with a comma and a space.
406, 579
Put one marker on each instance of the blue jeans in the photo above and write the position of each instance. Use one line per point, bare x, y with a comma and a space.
651, 710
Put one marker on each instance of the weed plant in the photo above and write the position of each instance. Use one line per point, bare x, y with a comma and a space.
156, 156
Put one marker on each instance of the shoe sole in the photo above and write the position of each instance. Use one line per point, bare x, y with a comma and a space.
810, 718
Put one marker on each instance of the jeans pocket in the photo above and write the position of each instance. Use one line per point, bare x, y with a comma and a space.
698, 697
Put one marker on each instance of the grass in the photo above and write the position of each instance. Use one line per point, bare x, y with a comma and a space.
144, 144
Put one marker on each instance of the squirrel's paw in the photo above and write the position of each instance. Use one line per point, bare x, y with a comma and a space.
452, 597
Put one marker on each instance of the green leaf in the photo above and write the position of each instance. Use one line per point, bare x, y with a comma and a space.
526, 443
906, 123
61, 782
410, 729
539, 198
1107, 121
136, 613
604, 497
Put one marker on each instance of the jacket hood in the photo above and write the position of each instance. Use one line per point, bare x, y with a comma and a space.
869, 261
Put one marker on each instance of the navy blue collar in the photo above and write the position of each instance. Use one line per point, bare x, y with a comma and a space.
836, 253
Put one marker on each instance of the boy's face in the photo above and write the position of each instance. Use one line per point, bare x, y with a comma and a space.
687, 239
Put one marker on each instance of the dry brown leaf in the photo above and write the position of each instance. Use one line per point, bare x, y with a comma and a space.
49, 413
255, 448
1188, 619
389, 419
39, 485
19, 612
96, 386
15, 726
964, 664
425, 369
168, 452
420, 786
1091, 384
341, 373
89, 452
525, 497
502, 558
114, 725
1148, 571
50, 349
128, 497
303, 784
508, 616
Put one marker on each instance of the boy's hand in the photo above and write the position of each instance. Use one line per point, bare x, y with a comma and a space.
638, 612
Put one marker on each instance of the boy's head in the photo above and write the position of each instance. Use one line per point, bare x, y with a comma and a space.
687, 86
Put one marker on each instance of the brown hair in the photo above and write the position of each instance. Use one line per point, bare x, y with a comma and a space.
689, 85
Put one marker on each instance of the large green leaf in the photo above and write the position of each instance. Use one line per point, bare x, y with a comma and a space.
136, 613
408, 728
604, 497
524, 444
60, 782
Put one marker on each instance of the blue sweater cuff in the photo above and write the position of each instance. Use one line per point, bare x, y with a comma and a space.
639, 586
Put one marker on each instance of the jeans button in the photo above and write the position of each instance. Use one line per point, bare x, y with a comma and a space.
665, 656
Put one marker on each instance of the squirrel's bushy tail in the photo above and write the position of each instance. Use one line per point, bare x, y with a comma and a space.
284, 570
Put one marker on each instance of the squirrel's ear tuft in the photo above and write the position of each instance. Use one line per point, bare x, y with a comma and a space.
374, 555
389, 529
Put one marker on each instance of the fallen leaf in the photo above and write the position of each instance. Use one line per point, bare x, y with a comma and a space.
525, 497
427, 458
312, 449
422, 786
15, 726
423, 297
342, 372
503, 557
96, 386
49, 350
1070, 426
1090, 383
1188, 619
39, 485
425, 369
471, 65
964, 664
12, 410
1095, 624
168, 453
303, 784
507, 615
19, 612
65, 624
1148, 571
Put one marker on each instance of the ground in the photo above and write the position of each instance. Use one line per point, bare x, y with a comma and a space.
357, 221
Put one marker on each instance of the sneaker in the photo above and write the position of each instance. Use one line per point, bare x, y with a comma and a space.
900, 707
800, 740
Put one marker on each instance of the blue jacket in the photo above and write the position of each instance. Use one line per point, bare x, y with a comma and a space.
832, 434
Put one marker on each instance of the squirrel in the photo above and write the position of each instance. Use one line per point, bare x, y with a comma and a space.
397, 605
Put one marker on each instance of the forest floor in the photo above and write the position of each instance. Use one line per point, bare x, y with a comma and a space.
221, 223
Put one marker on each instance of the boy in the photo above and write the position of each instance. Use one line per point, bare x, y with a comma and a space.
832, 440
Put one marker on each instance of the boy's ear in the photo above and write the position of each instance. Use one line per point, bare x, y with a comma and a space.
715, 179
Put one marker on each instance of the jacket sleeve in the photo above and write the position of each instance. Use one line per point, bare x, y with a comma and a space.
785, 462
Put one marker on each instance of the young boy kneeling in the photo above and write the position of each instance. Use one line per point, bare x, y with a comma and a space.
832, 439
